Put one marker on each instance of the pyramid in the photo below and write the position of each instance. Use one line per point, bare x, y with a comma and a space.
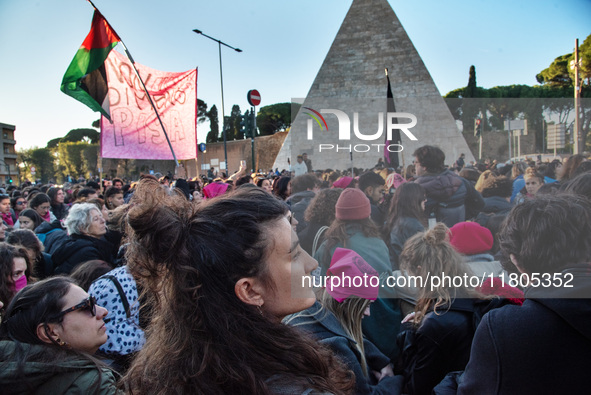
352, 80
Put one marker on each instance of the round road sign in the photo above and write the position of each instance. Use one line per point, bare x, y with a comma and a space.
254, 97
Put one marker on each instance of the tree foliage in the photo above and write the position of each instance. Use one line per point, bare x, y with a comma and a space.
214, 130
553, 96
232, 124
76, 135
275, 118
77, 158
40, 158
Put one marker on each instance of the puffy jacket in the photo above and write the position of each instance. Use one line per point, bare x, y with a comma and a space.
441, 344
78, 249
51, 234
451, 197
43, 375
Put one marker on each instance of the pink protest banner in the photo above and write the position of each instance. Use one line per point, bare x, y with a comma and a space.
135, 132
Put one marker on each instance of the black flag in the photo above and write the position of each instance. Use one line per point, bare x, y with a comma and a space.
391, 157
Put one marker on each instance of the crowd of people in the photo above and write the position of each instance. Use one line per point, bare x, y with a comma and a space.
238, 285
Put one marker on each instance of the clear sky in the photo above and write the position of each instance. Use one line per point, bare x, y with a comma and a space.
284, 44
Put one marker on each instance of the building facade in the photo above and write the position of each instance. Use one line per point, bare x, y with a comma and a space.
8, 169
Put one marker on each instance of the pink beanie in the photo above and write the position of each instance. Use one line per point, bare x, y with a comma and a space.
353, 276
470, 238
342, 182
214, 189
353, 204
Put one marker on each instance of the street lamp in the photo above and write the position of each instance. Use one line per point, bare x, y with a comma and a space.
220, 43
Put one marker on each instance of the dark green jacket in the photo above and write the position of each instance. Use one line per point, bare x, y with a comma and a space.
43, 374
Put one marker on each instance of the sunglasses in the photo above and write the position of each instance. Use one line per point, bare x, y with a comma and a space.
87, 304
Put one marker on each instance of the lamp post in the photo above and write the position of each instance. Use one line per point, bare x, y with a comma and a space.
220, 43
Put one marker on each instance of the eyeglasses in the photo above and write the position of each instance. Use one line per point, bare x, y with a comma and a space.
87, 304
20, 203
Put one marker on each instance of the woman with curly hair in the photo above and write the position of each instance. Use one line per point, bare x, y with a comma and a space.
437, 336
319, 215
224, 273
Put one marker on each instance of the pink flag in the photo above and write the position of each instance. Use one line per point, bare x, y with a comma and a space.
135, 132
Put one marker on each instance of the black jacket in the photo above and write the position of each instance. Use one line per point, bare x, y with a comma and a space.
542, 347
78, 249
451, 197
441, 344
327, 329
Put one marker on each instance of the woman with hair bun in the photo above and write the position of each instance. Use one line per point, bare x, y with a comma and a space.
437, 337
224, 273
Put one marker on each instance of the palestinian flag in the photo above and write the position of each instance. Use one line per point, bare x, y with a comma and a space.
86, 79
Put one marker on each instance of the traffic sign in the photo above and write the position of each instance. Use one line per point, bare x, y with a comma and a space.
33, 169
253, 97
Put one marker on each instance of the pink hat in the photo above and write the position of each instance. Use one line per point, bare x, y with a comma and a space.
470, 238
342, 182
353, 204
214, 189
351, 275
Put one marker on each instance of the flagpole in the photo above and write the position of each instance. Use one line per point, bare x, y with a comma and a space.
143, 85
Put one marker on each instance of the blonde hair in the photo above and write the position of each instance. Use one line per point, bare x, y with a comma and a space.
350, 314
430, 254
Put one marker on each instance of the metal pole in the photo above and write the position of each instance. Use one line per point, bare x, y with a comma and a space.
481, 133
254, 128
220, 43
578, 147
223, 111
509, 131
